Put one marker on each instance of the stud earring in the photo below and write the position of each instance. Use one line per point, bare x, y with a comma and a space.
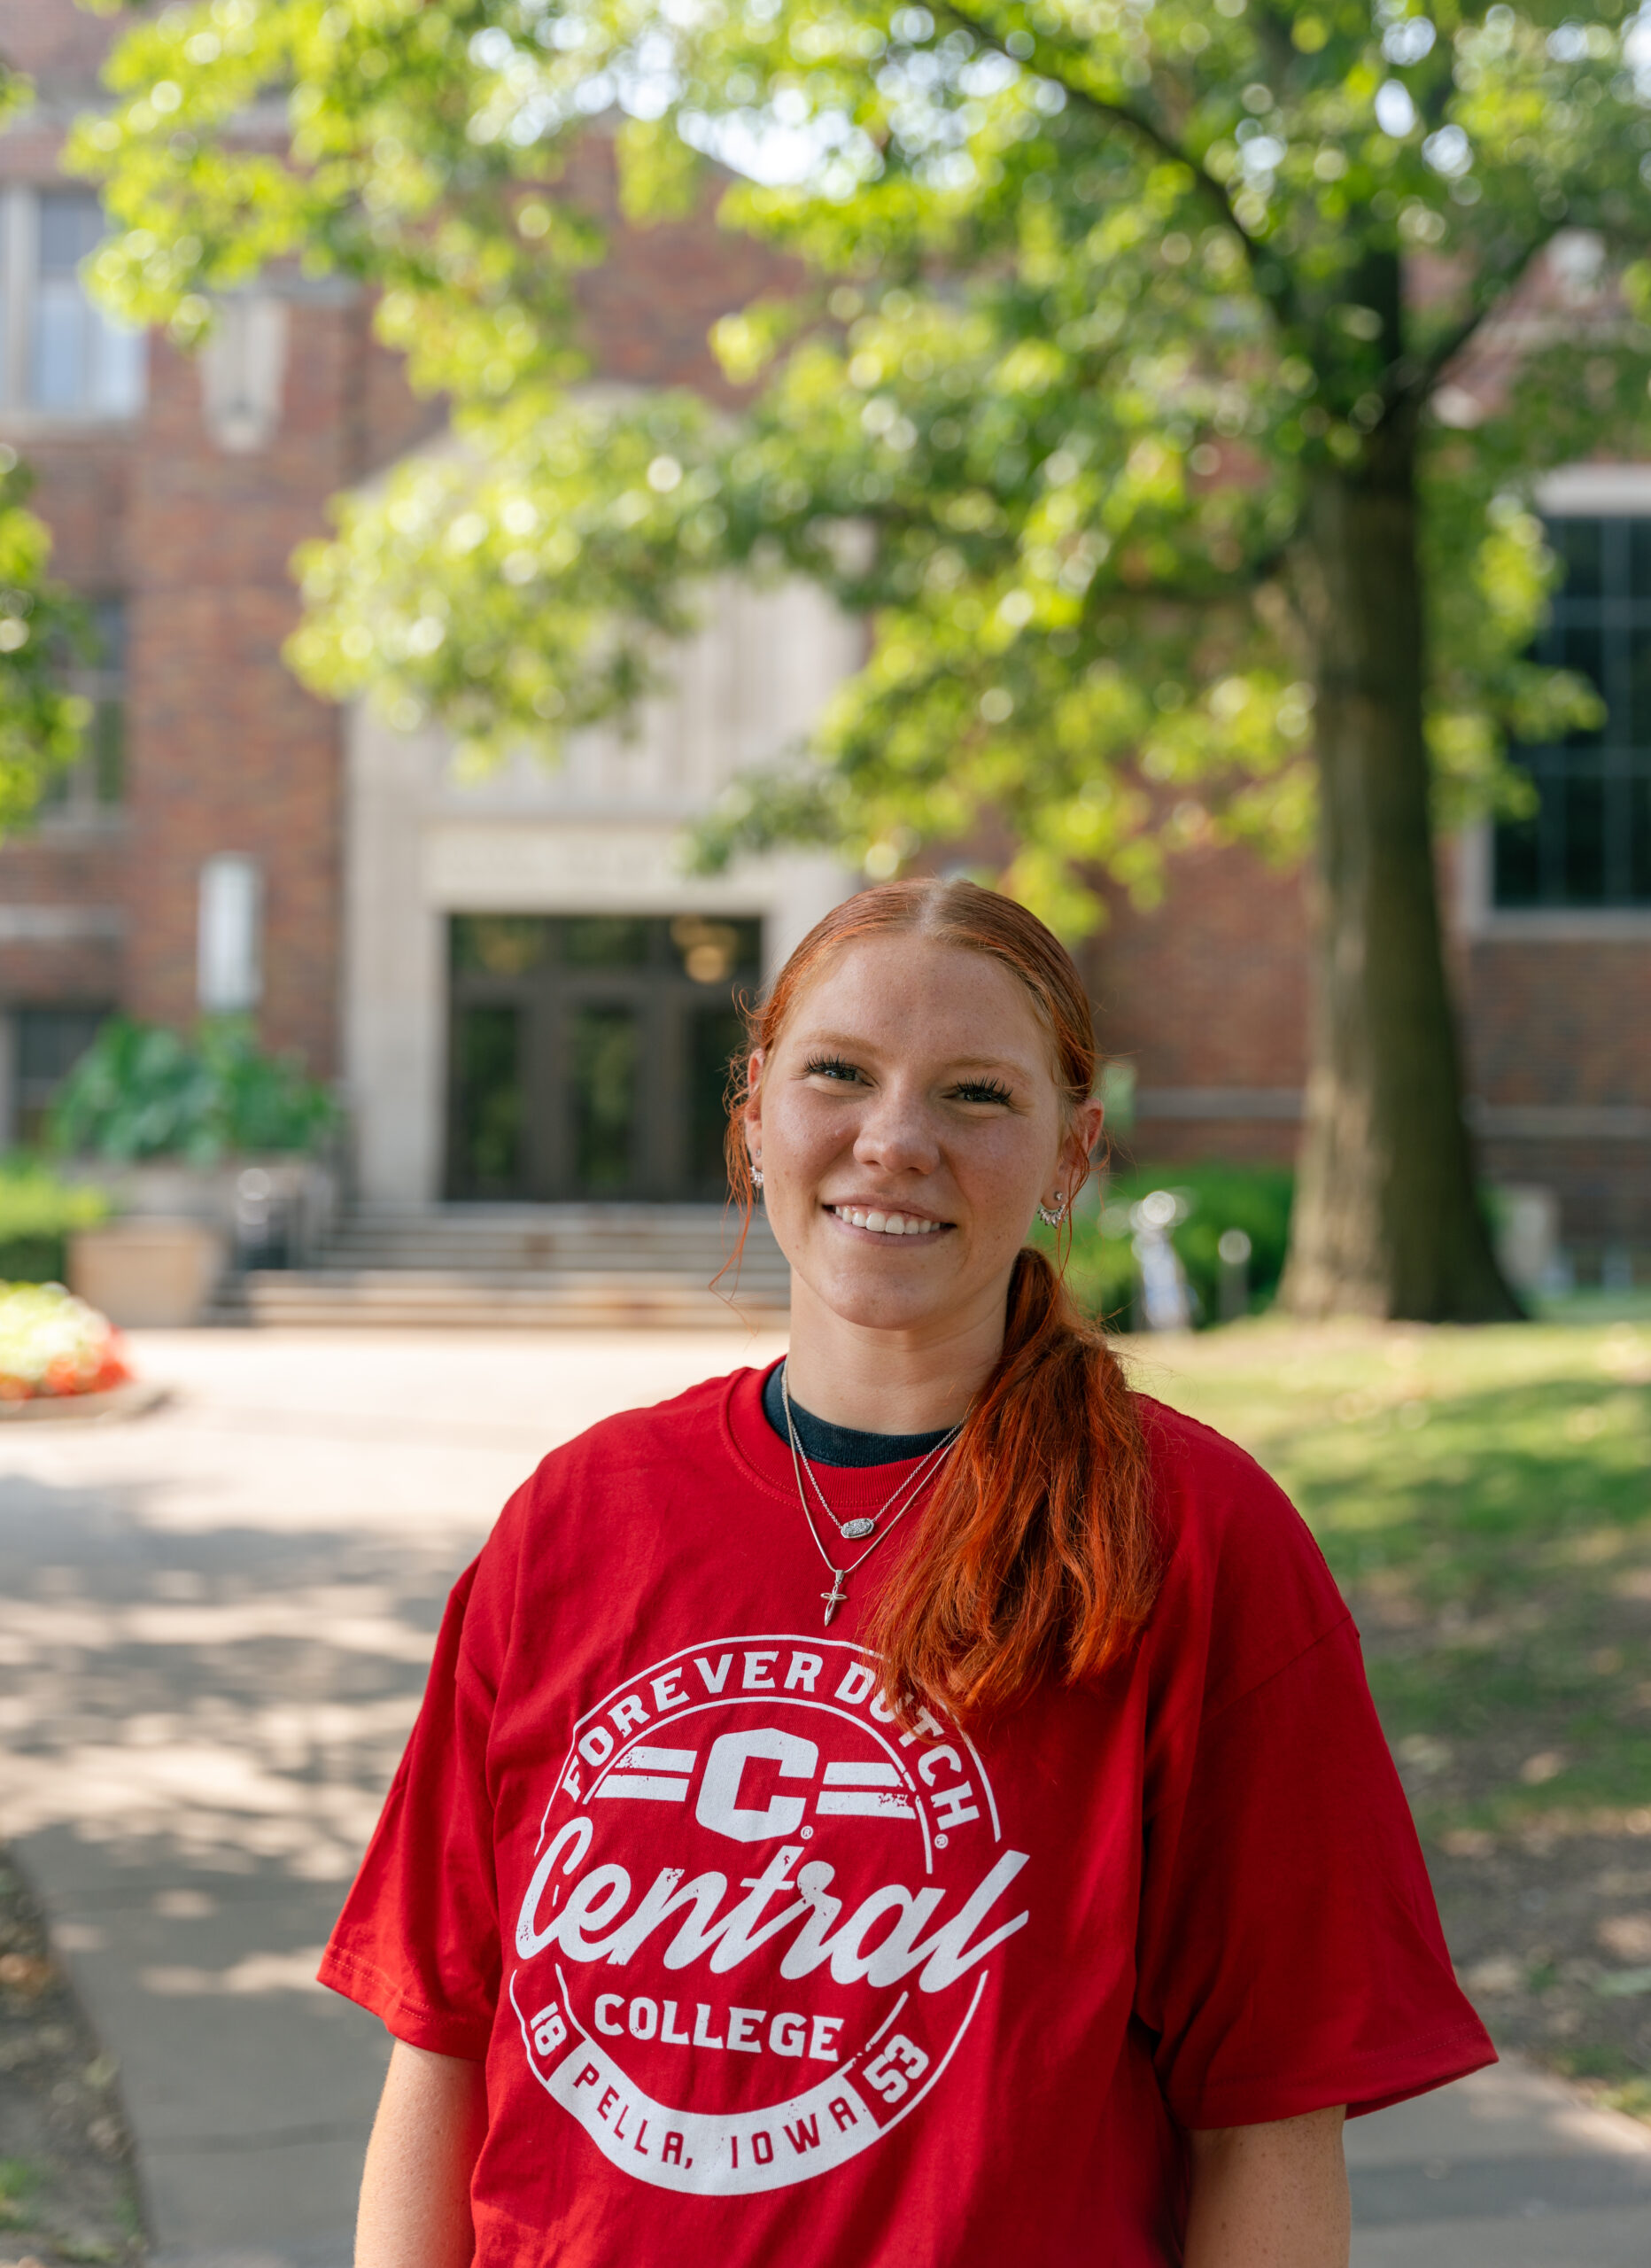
1052, 1215
756, 1176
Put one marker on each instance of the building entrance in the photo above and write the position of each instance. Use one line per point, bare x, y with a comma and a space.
588, 1054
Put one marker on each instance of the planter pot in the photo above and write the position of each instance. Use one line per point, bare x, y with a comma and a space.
272, 1212
148, 1272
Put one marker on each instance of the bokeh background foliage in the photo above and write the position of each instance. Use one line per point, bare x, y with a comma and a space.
1213, 1199
143, 1091
1093, 288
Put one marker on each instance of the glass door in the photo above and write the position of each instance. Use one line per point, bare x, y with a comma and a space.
604, 1071
486, 1113
590, 1055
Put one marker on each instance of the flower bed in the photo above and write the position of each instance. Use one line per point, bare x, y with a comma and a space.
53, 1346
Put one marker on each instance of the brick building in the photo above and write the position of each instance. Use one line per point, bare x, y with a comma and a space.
512, 982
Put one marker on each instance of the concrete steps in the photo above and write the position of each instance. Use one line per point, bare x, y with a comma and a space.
569, 1267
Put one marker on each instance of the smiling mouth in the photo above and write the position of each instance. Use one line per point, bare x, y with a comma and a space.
882, 1223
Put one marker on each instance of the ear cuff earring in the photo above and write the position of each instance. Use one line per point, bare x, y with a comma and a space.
1052, 1215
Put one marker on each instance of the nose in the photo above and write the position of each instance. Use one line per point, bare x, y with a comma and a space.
896, 1134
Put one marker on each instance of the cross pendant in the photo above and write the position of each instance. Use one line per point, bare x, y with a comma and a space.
834, 1597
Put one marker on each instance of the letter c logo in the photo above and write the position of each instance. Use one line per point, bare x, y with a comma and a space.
719, 1807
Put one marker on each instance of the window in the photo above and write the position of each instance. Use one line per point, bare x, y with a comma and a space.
95, 784
229, 939
1588, 842
50, 1042
62, 356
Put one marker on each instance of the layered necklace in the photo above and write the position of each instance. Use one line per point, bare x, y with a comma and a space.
893, 1508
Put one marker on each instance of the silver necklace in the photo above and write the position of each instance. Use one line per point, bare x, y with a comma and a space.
909, 1489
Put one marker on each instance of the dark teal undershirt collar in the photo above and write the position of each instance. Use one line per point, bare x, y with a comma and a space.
824, 1443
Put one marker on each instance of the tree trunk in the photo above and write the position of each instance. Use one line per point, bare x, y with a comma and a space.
1386, 1220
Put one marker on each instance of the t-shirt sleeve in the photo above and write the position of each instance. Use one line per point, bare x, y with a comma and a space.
418, 1939
1291, 1955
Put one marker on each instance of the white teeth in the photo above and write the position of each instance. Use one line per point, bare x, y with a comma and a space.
887, 1224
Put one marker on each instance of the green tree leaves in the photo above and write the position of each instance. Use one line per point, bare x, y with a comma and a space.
1096, 288
371, 138
43, 631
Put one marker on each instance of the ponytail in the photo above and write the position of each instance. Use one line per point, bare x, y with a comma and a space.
1035, 1557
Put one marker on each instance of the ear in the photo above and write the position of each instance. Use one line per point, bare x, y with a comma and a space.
754, 1088
1083, 1133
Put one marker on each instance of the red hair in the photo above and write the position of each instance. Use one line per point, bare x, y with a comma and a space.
1037, 1555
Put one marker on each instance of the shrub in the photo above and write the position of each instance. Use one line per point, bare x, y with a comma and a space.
1213, 1197
142, 1090
37, 1212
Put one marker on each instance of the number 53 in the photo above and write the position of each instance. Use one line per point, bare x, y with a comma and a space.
892, 2072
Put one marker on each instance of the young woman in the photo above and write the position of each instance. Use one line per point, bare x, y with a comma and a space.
916, 1807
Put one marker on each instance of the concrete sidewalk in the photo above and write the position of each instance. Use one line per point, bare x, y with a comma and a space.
214, 1627
1507, 2170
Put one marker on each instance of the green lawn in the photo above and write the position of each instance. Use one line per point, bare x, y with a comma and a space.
1484, 1499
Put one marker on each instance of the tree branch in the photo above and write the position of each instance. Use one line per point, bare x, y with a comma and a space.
1435, 365
1048, 61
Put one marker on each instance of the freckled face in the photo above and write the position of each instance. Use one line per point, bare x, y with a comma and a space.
908, 1122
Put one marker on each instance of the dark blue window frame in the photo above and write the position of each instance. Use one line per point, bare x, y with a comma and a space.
1587, 844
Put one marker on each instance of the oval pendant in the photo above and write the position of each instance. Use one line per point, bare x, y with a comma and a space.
855, 1529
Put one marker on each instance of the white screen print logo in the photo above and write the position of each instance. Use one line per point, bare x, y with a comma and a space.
761, 1914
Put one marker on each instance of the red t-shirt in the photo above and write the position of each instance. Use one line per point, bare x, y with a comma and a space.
759, 1975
